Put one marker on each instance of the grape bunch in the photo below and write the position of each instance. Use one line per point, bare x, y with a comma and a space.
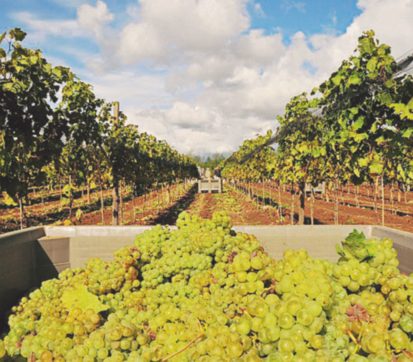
203, 292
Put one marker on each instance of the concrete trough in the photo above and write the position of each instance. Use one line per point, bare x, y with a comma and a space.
32, 255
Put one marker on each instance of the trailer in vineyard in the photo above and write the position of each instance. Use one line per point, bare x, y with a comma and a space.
319, 189
210, 185
208, 182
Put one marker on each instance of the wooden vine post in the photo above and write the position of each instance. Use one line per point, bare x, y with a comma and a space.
292, 203
336, 203
21, 212
382, 200
301, 210
116, 194
312, 206
280, 211
102, 206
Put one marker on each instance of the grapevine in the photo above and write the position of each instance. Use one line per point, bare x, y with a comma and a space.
355, 128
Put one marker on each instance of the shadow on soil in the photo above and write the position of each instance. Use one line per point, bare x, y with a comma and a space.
170, 215
49, 198
56, 215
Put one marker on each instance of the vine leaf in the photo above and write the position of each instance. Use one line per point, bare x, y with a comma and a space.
80, 297
17, 34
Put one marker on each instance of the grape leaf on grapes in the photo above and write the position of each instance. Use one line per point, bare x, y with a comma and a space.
80, 297
355, 237
356, 245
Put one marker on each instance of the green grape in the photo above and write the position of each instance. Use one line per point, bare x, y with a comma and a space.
286, 321
207, 293
285, 345
243, 327
375, 343
304, 317
398, 339
406, 323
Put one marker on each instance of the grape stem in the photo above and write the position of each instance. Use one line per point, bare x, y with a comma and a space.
200, 325
351, 335
244, 311
408, 354
195, 340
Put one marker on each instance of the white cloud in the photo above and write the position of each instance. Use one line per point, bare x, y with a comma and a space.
240, 79
199, 130
392, 21
94, 18
195, 73
90, 21
132, 89
40, 29
165, 30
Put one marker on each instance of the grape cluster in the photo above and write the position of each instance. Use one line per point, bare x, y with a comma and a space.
205, 293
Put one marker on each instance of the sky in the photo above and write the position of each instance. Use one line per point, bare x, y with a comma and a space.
205, 74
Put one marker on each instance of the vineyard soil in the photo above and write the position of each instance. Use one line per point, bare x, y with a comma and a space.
260, 207
240, 208
349, 213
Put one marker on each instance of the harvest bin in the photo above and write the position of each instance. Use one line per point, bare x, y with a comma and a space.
32, 255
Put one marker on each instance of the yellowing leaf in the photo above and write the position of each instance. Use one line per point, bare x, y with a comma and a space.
408, 133
7, 200
380, 140
80, 297
371, 64
337, 79
363, 162
403, 110
354, 80
57, 72
358, 137
358, 124
376, 168
79, 214
303, 148
401, 172
366, 45
34, 59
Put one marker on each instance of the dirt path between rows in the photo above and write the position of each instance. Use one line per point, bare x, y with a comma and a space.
239, 207
155, 207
